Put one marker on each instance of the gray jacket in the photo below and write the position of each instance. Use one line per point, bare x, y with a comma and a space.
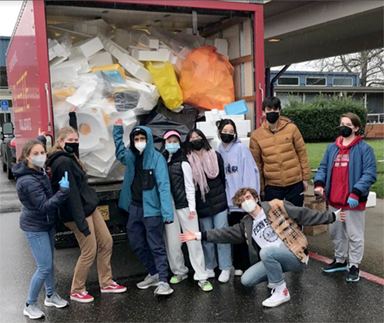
242, 232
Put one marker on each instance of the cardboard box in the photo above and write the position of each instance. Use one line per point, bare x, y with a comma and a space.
311, 202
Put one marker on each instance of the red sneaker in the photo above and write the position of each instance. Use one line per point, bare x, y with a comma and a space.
83, 297
113, 288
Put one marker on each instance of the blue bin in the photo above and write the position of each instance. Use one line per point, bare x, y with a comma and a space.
238, 107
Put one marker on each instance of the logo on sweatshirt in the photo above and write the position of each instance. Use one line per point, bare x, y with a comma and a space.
231, 169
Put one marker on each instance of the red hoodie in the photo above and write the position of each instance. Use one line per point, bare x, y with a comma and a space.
339, 192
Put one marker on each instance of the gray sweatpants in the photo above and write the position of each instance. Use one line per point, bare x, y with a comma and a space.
348, 235
173, 245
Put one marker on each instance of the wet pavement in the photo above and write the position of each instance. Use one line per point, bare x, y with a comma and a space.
315, 297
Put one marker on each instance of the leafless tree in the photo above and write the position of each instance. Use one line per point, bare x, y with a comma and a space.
369, 64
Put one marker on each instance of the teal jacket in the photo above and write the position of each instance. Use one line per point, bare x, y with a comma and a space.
156, 201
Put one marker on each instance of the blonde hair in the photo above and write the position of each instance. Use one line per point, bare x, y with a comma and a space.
61, 135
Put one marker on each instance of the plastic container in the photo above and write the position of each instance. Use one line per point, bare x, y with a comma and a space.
114, 72
238, 107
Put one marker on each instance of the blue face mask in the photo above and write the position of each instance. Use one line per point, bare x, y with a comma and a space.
172, 148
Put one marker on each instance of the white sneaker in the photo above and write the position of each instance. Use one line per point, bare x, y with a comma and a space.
279, 296
211, 273
224, 276
33, 311
238, 272
149, 281
163, 289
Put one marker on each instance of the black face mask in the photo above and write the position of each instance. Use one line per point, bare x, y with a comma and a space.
272, 117
72, 148
345, 131
197, 144
227, 138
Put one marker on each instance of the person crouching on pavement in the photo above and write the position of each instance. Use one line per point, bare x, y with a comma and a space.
146, 195
276, 243
184, 211
38, 219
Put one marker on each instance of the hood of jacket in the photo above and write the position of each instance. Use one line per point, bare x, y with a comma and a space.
52, 157
21, 169
149, 148
233, 143
339, 142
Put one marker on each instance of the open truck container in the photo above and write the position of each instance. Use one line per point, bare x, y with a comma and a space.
241, 24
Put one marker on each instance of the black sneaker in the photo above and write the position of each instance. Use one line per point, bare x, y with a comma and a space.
335, 266
353, 275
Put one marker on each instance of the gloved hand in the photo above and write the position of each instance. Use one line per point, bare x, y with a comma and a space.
64, 181
352, 202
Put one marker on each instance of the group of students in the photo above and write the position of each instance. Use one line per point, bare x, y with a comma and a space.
190, 193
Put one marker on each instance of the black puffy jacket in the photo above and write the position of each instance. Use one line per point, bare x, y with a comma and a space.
215, 199
82, 200
39, 205
176, 177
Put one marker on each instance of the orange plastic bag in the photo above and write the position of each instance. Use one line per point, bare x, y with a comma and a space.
207, 79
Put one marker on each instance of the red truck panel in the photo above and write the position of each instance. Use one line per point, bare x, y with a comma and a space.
28, 74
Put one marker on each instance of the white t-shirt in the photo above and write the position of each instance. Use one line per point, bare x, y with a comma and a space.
264, 235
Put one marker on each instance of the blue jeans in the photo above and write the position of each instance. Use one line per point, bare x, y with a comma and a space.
219, 220
42, 245
274, 262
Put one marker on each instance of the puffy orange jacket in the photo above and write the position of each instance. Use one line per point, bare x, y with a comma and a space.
281, 156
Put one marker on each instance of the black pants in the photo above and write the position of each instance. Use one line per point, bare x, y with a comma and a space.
240, 251
290, 193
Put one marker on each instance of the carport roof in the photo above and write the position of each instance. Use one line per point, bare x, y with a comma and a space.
311, 30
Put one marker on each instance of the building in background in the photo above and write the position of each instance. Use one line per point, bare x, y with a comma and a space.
6, 113
306, 85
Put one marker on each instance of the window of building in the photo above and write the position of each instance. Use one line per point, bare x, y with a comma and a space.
316, 81
288, 80
342, 81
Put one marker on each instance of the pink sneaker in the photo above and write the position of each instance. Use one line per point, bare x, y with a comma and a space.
113, 288
83, 297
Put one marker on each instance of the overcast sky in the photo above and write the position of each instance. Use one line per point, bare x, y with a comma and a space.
9, 11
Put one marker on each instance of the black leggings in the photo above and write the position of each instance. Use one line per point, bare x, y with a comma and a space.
240, 251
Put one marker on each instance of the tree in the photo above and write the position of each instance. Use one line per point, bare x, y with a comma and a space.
368, 63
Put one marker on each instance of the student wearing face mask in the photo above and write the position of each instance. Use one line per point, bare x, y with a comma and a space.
38, 221
280, 154
240, 171
344, 177
211, 202
81, 215
146, 195
276, 243
184, 211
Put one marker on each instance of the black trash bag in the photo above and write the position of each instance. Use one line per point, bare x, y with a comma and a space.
126, 100
161, 119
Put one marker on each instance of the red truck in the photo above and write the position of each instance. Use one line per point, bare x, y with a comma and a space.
241, 24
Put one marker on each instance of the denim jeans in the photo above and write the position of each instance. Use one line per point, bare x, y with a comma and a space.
219, 220
274, 262
42, 245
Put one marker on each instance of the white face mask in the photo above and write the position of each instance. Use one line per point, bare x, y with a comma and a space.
249, 206
140, 146
39, 161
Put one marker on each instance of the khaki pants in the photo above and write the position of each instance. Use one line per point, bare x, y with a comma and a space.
99, 243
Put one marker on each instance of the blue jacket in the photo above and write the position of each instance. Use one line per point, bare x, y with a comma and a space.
240, 170
157, 201
39, 205
362, 169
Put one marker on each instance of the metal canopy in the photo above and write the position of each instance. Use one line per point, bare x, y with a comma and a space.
310, 30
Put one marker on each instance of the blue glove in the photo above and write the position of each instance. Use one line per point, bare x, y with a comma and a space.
64, 181
352, 202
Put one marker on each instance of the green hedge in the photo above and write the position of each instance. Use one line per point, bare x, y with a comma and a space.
319, 120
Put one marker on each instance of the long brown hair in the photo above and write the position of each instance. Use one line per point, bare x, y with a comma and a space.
61, 135
27, 149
